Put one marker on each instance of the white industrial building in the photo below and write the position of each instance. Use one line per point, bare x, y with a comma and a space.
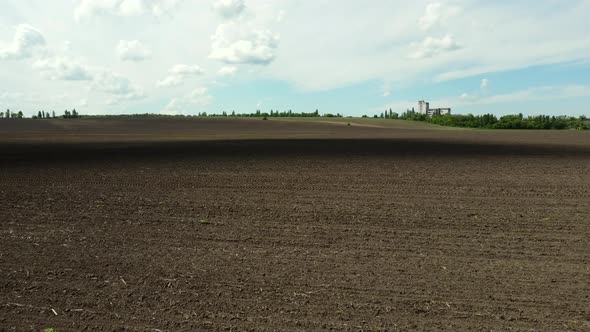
424, 108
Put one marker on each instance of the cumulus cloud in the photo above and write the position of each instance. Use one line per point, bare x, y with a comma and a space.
178, 74
186, 70
280, 16
26, 39
193, 101
90, 8
133, 50
61, 68
431, 47
163, 7
12, 96
118, 86
169, 81
484, 84
227, 71
234, 44
435, 14
67, 46
467, 98
229, 8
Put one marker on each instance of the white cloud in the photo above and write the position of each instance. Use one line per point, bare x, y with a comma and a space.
189, 103
117, 85
67, 46
61, 68
229, 8
484, 84
227, 71
436, 14
178, 74
467, 98
163, 7
281, 16
431, 47
234, 43
25, 41
169, 81
531, 94
132, 7
133, 50
386, 90
186, 70
89, 8
12, 96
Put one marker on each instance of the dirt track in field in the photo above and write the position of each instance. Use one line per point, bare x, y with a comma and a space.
405, 232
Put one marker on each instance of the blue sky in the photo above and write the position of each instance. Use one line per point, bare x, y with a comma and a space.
353, 57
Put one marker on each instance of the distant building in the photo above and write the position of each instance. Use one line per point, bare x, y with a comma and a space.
424, 108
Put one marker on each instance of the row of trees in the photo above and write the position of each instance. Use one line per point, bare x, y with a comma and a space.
275, 114
485, 121
388, 114
66, 115
11, 115
258, 113
40, 115
490, 121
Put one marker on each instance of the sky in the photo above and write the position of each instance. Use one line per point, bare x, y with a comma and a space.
349, 57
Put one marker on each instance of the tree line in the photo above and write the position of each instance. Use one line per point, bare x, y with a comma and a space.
66, 115
11, 115
256, 114
485, 121
274, 114
40, 115
490, 121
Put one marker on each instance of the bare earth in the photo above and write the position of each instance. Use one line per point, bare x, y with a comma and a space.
244, 224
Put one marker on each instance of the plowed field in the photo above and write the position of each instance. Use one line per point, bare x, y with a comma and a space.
421, 229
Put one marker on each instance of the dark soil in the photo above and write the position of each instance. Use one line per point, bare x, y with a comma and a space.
374, 234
